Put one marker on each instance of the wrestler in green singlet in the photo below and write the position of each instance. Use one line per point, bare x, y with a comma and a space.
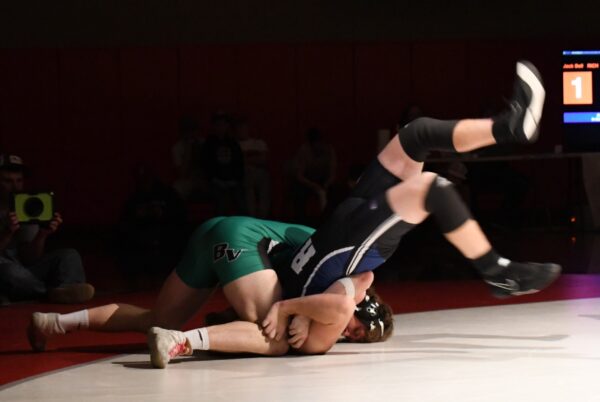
224, 249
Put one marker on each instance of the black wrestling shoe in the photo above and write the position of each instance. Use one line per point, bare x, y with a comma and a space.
510, 278
520, 123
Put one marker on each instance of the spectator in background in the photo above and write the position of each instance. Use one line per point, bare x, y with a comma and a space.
223, 163
26, 270
257, 182
151, 232
191, 182
314, 173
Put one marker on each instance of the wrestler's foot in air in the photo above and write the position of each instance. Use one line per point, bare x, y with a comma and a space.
41, 327
510, 278
166, 344
520, 123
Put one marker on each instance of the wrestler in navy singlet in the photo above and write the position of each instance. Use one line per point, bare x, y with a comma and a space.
361, 234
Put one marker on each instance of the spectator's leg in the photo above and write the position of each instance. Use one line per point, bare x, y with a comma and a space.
62, 271
19, 283
60, 267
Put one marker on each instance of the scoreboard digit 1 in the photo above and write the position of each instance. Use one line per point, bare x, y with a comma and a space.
581, 103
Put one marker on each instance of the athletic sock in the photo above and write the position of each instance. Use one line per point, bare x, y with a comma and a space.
74, 321
198, 338
491, 263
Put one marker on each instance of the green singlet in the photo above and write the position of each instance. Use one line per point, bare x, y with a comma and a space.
224, 249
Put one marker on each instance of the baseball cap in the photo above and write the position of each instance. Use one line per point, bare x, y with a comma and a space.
12, 162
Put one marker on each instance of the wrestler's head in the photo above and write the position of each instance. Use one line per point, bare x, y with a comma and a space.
372, 320
12, 173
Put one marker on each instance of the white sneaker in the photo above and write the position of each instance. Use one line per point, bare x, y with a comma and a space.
41, 327
166, 344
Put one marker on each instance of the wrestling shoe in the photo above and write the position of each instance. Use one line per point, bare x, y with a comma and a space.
71, 294
166, 344
41, 327
520, 123
510, 278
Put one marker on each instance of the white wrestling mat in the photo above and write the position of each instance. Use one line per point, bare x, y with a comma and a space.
528, 352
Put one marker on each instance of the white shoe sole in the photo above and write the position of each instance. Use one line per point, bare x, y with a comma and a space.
529, 74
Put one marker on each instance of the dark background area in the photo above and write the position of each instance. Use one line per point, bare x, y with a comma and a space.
165, 23
88, 90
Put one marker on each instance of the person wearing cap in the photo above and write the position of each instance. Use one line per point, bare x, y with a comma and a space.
26, 270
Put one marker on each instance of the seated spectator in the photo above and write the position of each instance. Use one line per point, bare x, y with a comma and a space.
223, 163
26, 270
257, 182
191, 182
314, 173
152, 230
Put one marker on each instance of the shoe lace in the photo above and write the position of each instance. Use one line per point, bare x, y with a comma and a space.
178, 349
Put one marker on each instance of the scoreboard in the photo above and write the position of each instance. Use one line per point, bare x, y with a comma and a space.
581, 99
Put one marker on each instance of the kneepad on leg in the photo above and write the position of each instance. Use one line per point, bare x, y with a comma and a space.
443, 202
425, 134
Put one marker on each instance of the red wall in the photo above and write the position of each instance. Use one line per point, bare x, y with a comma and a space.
82, 118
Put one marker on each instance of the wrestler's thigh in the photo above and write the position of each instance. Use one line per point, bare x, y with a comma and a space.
252, 295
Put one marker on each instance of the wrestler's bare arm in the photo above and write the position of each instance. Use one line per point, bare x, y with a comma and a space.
319, 319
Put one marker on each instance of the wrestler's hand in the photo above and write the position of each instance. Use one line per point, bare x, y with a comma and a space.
298, 331
275, 323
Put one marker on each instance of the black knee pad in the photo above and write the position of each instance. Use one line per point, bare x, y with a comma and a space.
446, 205
425, 134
